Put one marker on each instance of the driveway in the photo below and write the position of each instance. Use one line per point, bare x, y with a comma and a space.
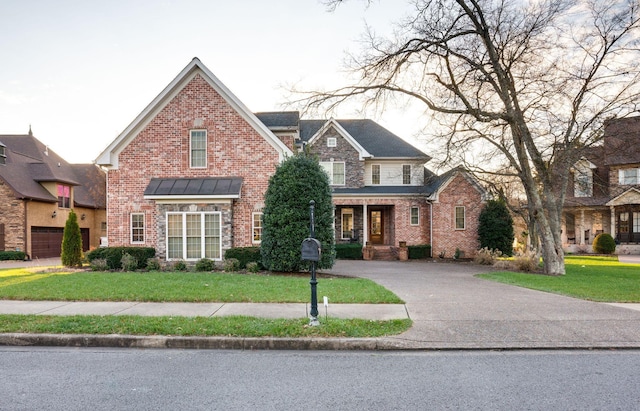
451, 308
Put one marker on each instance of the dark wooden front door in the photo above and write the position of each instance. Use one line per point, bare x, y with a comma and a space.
376, 227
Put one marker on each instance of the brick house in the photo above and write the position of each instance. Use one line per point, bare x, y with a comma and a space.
604, 191
38, 189
188, 177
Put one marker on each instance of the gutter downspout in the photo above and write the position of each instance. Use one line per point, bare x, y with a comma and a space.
431, 226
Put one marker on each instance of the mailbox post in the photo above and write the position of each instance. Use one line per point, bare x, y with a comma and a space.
311, 251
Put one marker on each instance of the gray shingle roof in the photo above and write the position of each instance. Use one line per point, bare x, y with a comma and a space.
211, 186
279, 120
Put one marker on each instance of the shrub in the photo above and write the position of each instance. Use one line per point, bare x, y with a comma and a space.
495, 227
128, 262
71, 242
98, 264
253, 267
153, 264
113, 255
604, 244
349, 251
297, 180
12, 255
486, 256
204, 264
417, 252
244, 255
180, 265
231, 265
526, 262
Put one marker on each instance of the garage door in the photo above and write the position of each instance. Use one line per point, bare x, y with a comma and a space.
46, 242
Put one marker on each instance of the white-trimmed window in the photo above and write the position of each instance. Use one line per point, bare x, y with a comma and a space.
332, 142
459, 218
256, 227
335, 171
375, 173
137, 228
192, 236
347, 223
583, 184
406, 174
198, 148
629, 176
415, 216
3, 154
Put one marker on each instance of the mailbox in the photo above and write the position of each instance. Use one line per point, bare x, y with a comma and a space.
311, 249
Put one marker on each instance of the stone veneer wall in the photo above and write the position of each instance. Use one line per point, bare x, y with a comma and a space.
12, 216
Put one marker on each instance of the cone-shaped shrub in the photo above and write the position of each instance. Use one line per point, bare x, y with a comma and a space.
71, 242
495, 229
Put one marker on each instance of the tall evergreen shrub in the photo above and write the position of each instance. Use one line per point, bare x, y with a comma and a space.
297, 181
495, 229
71, 242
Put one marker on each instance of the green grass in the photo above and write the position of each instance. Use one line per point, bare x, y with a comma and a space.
21, 284
602, 279
232, 326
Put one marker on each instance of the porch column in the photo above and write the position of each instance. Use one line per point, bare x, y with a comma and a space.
613, 221
581, 227
365, 231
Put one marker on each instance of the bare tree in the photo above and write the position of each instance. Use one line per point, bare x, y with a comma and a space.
526, 83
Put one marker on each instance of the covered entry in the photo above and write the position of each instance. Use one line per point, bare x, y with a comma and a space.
380, 225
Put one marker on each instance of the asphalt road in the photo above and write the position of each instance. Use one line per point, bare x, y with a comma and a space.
129, 379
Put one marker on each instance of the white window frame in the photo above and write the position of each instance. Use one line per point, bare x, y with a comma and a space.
417, 215
378, 174
3, 154
406, 175
256, 230
133, 229
464, 218
203, 235
192, 134
329, 168
332, 142
346, 212
629, 176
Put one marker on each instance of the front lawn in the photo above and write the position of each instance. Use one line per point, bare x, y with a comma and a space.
22, 284
592, 278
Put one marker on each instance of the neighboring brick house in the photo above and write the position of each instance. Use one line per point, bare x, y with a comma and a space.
189, 174
604, 191
38, 189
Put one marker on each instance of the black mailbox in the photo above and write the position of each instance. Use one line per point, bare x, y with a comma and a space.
311, 249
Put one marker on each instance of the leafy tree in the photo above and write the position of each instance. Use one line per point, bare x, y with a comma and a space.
286, 219
495, 229
71, 242
517, 87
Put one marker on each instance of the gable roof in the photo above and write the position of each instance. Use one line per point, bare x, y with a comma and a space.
374, 139
109, 157
436, 184
29, 162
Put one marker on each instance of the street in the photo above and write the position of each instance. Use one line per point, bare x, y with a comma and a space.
131, 379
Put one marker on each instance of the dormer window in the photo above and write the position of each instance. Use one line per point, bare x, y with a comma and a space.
64, 196
198, 148
583, 178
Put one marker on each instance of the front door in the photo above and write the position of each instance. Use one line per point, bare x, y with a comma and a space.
376, 227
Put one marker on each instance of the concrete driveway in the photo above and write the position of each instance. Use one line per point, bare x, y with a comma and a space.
452, 309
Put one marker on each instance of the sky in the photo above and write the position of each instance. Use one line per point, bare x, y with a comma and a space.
78, 72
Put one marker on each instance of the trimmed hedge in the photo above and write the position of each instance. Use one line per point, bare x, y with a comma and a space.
604, 244
349, 251
12, 255
244, 255
417, 252
113, 255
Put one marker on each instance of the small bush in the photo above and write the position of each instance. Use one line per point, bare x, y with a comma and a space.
604, 244
12, 255
244, 255
417, 252
526, 262
485, 256
153, 264
253, 267
113, 255
231, 265
205, 264
180, 266
98, 264
128, 262
349, 251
